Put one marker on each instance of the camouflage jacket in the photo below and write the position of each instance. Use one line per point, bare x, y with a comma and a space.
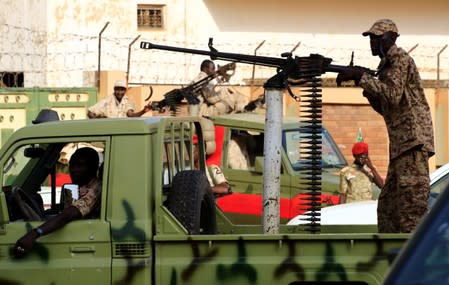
90, 197
219, 98
356, 184
398, 95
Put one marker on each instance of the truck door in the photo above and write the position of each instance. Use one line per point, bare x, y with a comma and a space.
80, 252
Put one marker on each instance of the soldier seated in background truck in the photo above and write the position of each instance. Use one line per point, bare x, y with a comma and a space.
83, 167
116, 105
215, 176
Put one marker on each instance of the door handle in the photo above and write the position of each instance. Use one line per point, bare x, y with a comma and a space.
82, 249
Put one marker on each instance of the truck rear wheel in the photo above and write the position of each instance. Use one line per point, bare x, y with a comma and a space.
191, 201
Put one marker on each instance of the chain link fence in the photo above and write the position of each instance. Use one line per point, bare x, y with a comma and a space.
71, 59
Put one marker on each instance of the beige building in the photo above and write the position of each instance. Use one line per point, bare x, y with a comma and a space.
57, 43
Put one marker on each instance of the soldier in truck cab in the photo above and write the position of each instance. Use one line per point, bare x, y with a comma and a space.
83, 168
116, 105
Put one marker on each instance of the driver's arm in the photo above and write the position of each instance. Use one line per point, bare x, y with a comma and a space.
25, 243
77, 210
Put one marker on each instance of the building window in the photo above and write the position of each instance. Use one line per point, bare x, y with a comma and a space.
150, 16
11, 79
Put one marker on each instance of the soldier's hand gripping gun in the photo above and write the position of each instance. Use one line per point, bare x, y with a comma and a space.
252, 105
190, 93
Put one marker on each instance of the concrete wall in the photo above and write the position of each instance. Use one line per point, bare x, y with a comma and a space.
56, 44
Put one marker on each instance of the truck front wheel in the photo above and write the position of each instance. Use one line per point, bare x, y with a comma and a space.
191, 201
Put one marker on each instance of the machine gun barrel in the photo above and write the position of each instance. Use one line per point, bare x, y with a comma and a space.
242, 58
285, 62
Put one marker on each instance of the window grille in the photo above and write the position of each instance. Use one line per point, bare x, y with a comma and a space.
11, 79
150, 16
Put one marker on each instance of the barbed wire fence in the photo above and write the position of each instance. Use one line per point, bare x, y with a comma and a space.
70, 59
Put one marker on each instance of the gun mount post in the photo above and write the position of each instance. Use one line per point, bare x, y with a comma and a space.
272, 160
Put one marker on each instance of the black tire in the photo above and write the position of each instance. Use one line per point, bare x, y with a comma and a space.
191, 201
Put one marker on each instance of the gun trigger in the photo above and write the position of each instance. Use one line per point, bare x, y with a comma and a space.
297, 98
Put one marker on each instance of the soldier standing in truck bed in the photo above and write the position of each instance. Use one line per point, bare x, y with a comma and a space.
397, 94
215, 98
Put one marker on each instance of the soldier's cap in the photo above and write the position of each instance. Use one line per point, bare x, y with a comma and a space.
360, 148
120, 84
380, 27
46, 115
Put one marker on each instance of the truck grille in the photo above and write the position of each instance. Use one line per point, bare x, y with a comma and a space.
131, 249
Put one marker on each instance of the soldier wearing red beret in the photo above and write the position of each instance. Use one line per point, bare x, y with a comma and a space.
356, 181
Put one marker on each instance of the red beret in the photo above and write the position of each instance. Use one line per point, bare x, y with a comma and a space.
359, 148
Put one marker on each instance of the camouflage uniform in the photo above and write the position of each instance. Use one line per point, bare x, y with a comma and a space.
219, 100
398, 95
356, 183
111, 108
90, 198
403, 200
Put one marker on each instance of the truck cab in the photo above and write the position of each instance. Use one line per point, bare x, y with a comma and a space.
241, 160
128, 150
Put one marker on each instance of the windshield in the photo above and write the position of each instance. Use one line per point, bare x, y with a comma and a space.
20, 163
293, 141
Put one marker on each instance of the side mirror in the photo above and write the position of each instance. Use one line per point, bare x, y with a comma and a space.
4, 216
33, 152
258, 164
69, 191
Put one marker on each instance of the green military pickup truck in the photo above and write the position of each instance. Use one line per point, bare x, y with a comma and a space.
241, 158
158, 222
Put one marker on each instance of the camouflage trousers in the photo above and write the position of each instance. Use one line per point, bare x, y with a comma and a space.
403, 199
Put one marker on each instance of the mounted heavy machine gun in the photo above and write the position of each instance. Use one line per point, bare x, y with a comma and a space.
290, 70
305, 73
190, 93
